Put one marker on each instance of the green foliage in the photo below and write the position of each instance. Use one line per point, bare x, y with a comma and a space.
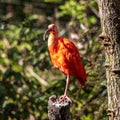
27, 77
79, 10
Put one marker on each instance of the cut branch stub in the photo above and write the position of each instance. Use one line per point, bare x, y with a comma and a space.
58, 110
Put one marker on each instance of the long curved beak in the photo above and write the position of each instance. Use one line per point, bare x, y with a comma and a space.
44, 36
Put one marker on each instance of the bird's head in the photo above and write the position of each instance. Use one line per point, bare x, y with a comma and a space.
52, 28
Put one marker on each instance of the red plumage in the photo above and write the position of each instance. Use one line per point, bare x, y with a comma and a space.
65, 56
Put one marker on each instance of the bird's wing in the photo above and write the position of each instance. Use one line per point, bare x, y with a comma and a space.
70, 53
72, 60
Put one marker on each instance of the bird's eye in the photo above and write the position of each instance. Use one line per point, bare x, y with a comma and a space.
53, 29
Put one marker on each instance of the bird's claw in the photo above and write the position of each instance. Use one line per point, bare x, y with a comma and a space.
64, 98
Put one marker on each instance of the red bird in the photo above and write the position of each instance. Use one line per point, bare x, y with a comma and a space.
65, 56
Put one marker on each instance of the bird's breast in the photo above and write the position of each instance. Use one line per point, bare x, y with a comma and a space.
59, 59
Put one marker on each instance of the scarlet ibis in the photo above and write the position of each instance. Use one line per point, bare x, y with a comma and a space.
65, 56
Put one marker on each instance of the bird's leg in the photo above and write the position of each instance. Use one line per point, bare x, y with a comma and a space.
65, 97
67, 83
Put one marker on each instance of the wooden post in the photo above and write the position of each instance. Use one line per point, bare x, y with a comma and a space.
58, 110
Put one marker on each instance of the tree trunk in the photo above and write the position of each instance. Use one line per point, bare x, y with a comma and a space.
109, 11
58, 110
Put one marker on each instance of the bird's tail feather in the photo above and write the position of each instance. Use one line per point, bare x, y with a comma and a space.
82, 82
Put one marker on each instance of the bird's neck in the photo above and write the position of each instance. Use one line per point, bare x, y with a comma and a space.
52, 39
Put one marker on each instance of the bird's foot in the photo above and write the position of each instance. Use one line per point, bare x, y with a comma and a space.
64, 98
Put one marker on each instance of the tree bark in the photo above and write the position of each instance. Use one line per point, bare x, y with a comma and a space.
58, 110
109, 11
